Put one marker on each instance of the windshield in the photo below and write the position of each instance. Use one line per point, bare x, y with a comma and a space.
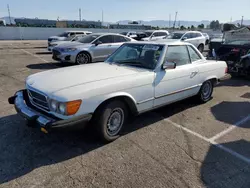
137, 55
65, 34
148, 33
89, 38
175, 36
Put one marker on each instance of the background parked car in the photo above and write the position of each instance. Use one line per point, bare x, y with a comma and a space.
131, 34
207, 38
63, 36
155, 35
194, 37
91, 48
69, 39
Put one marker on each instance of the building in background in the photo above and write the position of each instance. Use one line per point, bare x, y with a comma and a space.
28, 22
130, 26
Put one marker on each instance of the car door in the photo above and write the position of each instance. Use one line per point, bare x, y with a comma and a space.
102, 47
118, 41
175, 84
189, 38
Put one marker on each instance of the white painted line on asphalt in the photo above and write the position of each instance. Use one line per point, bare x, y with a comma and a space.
35, 55
230, 128
233, 153
27, 52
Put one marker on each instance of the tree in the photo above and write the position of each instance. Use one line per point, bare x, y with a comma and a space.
192, 27
201, 26
215, 25
188, 28
182, 27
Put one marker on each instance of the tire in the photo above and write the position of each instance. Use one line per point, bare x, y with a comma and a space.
114, 112
83, 58
201, 48
206, 91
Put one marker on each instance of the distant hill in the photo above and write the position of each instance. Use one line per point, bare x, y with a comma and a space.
165, 23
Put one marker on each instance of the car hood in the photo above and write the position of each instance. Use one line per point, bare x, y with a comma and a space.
62, 78
171, 40
73, 44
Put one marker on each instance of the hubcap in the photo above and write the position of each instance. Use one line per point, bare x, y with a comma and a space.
82, 58
115, 122
206, 90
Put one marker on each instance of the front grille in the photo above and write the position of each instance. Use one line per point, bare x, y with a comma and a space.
49, 40
38, 100
56, 52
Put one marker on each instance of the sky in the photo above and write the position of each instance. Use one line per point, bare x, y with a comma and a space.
115, 10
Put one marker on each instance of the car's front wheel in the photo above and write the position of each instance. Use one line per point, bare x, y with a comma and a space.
201, 48
110, 119
83, 58
206, 91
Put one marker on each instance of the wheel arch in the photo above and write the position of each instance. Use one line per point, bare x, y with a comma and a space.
127, 99
214, 79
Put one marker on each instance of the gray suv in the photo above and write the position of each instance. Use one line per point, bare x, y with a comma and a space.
91, 48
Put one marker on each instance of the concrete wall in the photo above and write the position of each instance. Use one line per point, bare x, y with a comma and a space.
37, 33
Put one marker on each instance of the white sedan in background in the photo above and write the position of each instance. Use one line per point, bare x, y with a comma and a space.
68, 40
136, 78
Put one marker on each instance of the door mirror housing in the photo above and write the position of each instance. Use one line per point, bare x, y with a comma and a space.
169, 65
98, 43
184, 38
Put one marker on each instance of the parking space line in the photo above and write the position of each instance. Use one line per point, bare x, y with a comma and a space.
230, 128
27, 52
35, 55
233, 153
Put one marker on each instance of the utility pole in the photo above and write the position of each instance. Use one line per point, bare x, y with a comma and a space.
175, 20
102, 17
9, 13
80, 14
231, 19
242, 21
169, 21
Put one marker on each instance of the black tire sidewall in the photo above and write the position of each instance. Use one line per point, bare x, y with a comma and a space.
103, 116
86, 55
201, 97
201, 46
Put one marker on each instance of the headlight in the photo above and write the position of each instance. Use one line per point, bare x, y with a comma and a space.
69, 49
65, 108
62, 108
53, 105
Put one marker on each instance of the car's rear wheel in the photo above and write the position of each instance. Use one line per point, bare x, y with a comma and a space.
201, 48
206, 91
83, 58
110, 119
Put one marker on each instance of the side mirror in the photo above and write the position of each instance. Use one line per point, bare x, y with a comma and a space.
169, 65
98, 43
184, 38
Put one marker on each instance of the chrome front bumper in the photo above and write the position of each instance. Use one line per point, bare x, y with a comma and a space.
40, 119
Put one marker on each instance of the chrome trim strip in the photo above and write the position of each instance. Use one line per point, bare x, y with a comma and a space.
178, 91
147, 100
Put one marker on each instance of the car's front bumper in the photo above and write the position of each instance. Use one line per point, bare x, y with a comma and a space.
69, 57
41, 119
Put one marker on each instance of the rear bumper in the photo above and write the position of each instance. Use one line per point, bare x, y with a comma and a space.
40, 119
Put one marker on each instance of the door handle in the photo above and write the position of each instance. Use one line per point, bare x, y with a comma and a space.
193, 74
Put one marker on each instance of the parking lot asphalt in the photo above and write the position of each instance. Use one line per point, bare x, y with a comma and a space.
181, 145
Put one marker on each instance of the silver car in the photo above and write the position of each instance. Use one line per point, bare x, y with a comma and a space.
91, 48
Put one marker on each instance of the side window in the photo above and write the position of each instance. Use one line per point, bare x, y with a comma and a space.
199, 35
188, 35
107, 39
71, 34
120, 39
193, 54
162, 34
178, 54
79, 33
